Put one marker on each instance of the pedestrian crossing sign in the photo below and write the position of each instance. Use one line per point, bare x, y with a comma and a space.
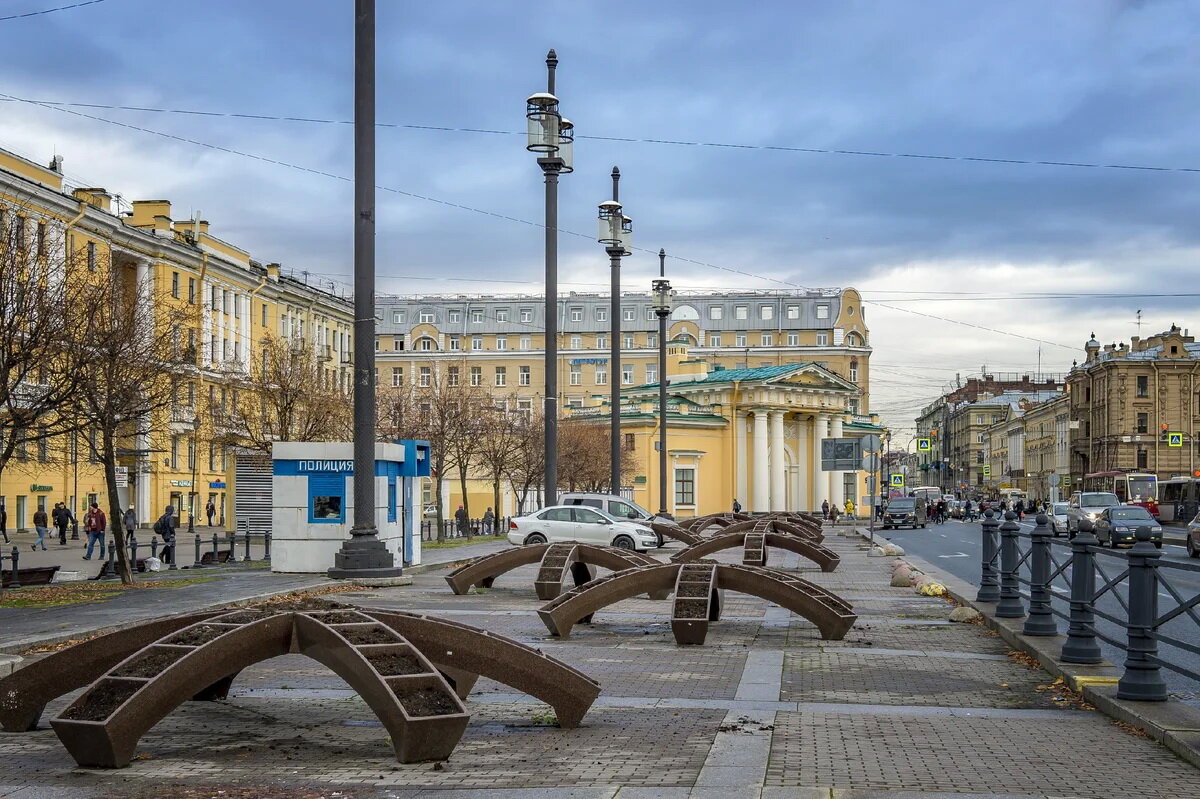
1174, 439
987, 471
897, 481
923, 445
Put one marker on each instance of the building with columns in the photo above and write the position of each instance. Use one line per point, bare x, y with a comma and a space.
226, 303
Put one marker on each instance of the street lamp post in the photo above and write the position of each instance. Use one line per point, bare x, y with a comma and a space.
551, 137
363, 555
616, 234
192, 487
662, 309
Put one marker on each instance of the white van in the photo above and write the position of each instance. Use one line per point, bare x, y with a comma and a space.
612, 505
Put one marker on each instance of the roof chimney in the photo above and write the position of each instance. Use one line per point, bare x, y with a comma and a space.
56, 164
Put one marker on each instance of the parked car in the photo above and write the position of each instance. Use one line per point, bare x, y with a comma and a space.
578, 523
430, 512
1088, 505
1058, 517
1193, 537
614, 506
1116, 526
905, 511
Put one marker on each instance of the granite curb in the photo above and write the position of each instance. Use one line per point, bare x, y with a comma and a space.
1173, 724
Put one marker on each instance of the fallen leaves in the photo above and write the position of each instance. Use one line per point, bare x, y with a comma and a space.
1137, 732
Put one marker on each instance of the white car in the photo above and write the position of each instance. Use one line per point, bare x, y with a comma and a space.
1058, 517
579, 523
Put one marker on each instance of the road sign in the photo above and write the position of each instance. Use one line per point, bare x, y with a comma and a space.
923, 445
1066, 480
1053, 479
841, 454
870, 443
1174, 439
897, 481
870, 463
122, 476
987, 470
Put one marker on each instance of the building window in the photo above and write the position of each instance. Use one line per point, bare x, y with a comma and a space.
522, 375
854, 373
739, 340
397, 317
501, 342
501, 314
627, 374
714, 339
452, 376
397, 343
192, 290
397, 376
526, 314
576, 342
630, 441
476, 342
980, 440
853, 340
91, 256
1143, 386
427, 344
425, 317
651, 339
576, 378
501, 376
628, 314
1143, 422
651, 373
628, 341
650, 314
476, 375
526, 342
41, 239
264, 315
1142, 459
768, 339
979, 453
576, 314
822, 311
476, 315
715, 312
822, 339
454, 316
454, 342
424, 376
601, 341
685, 487
766, 312
740, 312
601, 375
793, 312
175, 285
793, 339
601, 314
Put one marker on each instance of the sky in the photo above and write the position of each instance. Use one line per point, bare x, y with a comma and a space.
963, 263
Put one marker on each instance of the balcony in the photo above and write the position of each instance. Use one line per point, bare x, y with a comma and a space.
182, 420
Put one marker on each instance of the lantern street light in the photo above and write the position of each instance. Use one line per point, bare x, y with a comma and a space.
552, 138
662, 309
615, 232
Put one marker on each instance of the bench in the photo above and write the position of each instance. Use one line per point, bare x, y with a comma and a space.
35, 575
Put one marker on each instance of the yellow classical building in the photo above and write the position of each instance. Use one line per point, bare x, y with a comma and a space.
221, 305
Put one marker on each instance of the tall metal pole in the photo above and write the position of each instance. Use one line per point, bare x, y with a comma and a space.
550, 168
363, 554
614, 261
662, 393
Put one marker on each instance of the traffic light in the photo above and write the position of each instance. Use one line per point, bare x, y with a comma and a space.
1162, 433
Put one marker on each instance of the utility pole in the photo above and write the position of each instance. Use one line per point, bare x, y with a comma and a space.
614, 262
363, 555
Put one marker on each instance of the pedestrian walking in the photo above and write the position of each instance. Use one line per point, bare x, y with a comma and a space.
67, 519
1019, 509
825, 510
95, 524
130, 520
850, 508
460, 518
737, 506
210, 510
41, 524
4, 523
833, 513
165, 528
489, 521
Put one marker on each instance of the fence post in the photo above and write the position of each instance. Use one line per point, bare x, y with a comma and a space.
1041, 620
989, 584
1142, 679
1081, 645
16, 562
216, 550
153, 546
267, 546
1010, 606
169, 551
197, 564
133, 545
246, 557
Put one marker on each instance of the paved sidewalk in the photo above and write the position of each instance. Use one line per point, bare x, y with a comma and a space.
906, 706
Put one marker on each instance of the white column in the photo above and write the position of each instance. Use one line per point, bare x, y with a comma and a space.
778, 467
817, 480
803, 485
761, 499
741, 464
836, 486
245, 336
141, 500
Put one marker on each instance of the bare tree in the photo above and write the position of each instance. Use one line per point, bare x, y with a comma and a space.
39, 280
281, 395
528, 464
584, 456
498, 448
136, 358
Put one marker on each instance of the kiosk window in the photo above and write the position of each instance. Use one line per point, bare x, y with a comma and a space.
326, 499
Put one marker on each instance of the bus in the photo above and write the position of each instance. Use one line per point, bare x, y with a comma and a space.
931, 494
1131, 488
1178, 500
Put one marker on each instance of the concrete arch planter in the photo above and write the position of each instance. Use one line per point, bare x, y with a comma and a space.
675, 531
801, 529
557, 561
755, 544
699, 524
832, 615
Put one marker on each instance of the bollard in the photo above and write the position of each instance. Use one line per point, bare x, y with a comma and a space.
267, 545
109, 569
1142, 680
216, 556
232, 547
16, 574
154, 546
1081, 645
246, 556
169, 551
989, 584
197, 564
1010, 605
1041, 620
133, 550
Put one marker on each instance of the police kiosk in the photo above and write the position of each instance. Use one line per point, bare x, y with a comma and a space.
313, 501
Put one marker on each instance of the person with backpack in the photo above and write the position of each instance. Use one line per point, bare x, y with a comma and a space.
489, 521
95, 524
825, 510
41, 524
130, 520
165, 528
461, 519
737, 506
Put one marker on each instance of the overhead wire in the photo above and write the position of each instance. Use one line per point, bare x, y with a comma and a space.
50, 10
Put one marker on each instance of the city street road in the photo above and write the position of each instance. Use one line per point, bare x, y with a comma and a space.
956, 548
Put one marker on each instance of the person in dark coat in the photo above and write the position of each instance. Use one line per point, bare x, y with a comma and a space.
210, 510
737, 506
41, 523
95, 524
165, 528
825, 509
460, 517
4, 523
130, 520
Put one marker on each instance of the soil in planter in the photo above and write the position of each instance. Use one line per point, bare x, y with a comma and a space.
368, 635
549, 575
342, 617
693, 589
391, 664
101, 701
198, 635
692, 609
247, 616
151, 664
427, 702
